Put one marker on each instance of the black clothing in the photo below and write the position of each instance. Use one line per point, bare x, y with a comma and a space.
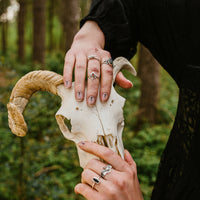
170, 29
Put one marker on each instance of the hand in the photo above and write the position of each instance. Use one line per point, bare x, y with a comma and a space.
120, 184
90, 41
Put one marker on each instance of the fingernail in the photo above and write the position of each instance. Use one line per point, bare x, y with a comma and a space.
67, 84
79, 96
81, 143
104, 97
91, 100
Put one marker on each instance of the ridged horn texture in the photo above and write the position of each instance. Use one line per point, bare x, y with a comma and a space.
122, 63
22, 92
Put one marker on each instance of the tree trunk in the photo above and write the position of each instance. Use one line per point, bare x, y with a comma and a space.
51, 11
4, 37
4, 24
69, 16
21, 186
39, 8
149, 73
85, 6
21, 27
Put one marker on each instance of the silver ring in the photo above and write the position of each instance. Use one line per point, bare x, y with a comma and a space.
96, 180
108, 62
93, 57
92, 76
107, 169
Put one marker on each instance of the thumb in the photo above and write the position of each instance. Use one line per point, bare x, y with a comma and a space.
128, 158
122, 81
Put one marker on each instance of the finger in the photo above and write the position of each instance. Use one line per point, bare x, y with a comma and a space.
87, 191
93, 83
123, 82
128, 158
106, 154
98, 166
87, 177
68, 69
106, 80
80, 72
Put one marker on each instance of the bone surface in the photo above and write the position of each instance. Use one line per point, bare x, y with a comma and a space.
102, 123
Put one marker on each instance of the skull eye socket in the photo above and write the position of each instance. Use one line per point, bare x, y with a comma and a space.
67, 123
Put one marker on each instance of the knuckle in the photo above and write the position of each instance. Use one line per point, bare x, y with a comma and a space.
107, 53
85, 173
134, 165
82, 174
109, 71
121, 182
67, 74
68, 55
125, 166
66, 77
92, 89
105, 85
95, 69
80, 67
131, 173
78, 87
108, 152
69, 63
112, 191
94, 49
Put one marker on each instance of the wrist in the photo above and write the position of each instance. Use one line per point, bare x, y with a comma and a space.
91, 33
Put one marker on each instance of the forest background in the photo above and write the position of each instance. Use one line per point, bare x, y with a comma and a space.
43, 165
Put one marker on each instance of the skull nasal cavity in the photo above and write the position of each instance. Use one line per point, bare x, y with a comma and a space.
68, 123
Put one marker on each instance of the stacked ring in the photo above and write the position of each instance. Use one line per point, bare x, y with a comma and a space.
93, 76
93, 57
96, 180
106, 170
108, 62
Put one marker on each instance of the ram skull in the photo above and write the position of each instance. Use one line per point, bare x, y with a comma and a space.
102, 123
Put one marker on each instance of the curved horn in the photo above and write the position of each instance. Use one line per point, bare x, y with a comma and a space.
122, 63
22, 92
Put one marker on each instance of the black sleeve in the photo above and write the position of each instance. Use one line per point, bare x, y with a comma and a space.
115, 17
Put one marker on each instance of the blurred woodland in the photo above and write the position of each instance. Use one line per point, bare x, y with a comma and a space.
43, 165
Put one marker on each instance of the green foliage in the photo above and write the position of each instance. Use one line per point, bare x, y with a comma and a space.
54, 152
146, 148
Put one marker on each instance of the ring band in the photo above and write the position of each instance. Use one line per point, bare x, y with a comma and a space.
96, 180
108, 62
107, 169
93, 57
92, 76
